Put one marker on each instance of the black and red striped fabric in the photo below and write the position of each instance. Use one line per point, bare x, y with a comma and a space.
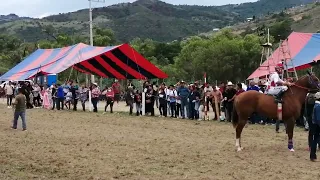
120, 62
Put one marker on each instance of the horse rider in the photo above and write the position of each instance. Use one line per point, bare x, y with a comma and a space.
277, 86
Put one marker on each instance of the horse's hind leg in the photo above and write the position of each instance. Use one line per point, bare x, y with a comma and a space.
239, 128
290, 126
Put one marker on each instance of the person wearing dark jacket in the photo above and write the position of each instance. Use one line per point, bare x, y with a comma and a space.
163, 102
228, 96
309, 105
75, 94
315, 128
194, 98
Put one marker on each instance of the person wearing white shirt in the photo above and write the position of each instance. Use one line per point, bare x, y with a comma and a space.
172, 93
277, 85
9, 93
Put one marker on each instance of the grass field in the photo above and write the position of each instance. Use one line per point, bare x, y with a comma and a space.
70, 145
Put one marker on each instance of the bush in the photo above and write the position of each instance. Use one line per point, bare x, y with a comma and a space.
304, 17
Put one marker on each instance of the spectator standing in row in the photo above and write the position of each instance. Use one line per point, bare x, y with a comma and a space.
75, 94
83, 91
130, 99
36, 95
172, 94
109, 93
228, 96
138, 100
60, 97
162, 101
117, 90
95, 94
53, 89
216, 95
183, 93
194, 100
8, 88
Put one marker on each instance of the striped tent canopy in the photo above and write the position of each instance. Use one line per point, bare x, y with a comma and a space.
121, 62
304, 50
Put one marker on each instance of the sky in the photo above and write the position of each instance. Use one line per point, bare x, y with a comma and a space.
42, 8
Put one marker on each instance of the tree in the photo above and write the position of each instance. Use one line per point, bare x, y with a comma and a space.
104, 37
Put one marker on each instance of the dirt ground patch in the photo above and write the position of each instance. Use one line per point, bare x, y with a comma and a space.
77, 145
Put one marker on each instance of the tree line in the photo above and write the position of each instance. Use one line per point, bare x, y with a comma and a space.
222, 56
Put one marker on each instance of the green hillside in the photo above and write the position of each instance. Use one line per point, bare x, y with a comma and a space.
146, 19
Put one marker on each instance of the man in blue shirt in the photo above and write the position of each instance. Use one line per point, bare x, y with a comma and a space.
183, 94
253, 87
60, 97
315, 127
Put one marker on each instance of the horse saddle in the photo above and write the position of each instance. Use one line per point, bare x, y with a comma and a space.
278, 97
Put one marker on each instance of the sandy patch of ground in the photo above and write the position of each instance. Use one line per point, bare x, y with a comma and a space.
77, 145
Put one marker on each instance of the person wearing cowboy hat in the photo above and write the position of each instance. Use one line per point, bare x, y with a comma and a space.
95, 93
228, 95
277, 85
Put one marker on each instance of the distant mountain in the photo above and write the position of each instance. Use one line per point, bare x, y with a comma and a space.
146, 19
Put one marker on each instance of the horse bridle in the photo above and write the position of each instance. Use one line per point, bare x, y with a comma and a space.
311, 81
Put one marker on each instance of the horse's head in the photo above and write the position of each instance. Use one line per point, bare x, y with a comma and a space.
313, 81
309, 81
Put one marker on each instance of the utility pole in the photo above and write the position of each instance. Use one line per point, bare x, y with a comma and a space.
91, 27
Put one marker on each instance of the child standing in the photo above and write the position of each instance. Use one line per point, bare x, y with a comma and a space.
138, 100
20, 110
315, 127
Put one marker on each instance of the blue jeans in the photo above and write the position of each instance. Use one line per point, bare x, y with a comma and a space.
23, 118
184, 103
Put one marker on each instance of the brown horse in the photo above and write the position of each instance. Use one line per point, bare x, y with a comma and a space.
251, 101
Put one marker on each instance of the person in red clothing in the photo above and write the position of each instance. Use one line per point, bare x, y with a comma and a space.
239, 91
116, 87
110, 99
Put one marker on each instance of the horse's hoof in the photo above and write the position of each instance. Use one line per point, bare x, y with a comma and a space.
239, 149
291, 150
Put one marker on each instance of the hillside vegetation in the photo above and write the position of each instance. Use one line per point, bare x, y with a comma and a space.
152, 19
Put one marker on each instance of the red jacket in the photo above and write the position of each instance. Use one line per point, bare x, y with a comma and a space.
110, 94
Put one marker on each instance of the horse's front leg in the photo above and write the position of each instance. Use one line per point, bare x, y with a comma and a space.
290, 126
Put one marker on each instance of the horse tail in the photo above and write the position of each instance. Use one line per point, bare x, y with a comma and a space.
235, 116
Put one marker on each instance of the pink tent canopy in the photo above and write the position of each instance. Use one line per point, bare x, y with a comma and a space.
304, 49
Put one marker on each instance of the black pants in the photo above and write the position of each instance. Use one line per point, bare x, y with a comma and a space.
130, 104
163, 109
209, 102
75, 103
36, 101
83, 104
315, 140
192, 111
53, 103
150, 108
173, 109
95, 104
179, 110
109, 102
60, 103
229, 110
9, 100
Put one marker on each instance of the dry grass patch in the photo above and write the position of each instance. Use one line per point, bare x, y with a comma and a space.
76, 145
